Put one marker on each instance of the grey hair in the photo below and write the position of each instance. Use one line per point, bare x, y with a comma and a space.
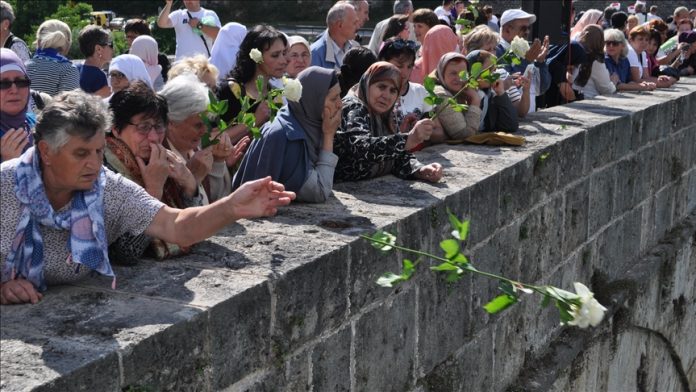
402, 7
185, 96
6, 12
337, 13
617, 35
72, 113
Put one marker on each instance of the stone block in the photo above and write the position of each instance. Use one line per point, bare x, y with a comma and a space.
626, 137
610, 249
540, 239
576, 216
516, 190
632, 234
507, 343
600, 145
627, 183
691, 192
602, 185
572, 151
367, 264
331, 362
240, 336
266, 380
297, 369
664, 211
649, 172
484, 206
681, 115
393, 321
655, 122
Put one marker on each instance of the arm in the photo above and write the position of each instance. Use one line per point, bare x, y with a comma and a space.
163, 20
186, 227
505, 114
602, 80
317, 188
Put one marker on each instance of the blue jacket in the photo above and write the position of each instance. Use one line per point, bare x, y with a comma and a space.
319, 49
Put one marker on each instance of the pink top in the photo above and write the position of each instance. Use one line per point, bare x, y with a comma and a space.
437, 41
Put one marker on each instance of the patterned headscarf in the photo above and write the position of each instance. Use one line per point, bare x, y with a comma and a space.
442, 64
381, 124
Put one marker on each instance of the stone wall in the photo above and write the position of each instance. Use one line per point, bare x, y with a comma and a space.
604, 192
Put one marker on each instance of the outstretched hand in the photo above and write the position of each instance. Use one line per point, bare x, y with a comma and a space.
19, 291
259, 198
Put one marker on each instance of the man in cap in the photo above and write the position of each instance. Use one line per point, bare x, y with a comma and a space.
517, 23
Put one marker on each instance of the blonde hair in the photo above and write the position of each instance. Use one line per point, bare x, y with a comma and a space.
479, 37
617, 36
54, 34
197, 65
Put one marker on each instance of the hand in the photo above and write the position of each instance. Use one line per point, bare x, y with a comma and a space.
200, 164
566, 91
534, 51
19, 291
262, 113
499, 87
223, 148
544, 50
156, 171
181, 174
193, 22
648, 86
472, 97
615, 78
524, 83
258, 198
420, 133
431, 173
408, 122
12, 144
330, 121
238, 151
168, 3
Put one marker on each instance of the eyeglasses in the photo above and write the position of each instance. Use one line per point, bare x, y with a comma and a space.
613, 43
109, 44
399, 44
20, 83
144, 128
116, 75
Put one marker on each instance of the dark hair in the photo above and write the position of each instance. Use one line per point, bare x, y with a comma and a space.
592, 39
425, 15
618, 20
137, 98
396, 25
356, 61
657, 37
90, 36
397, 48
137, 26
261, 37
608, 12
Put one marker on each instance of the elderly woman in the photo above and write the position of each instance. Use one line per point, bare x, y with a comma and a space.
147, 49
299, 56
368, 143
457, 125
241, 81
98, 48
125, 69
49, 70
16, 120
615, 49
134, 149
60, 204
187, 98
297, 147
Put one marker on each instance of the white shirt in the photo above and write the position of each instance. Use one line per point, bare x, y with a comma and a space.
413, 102
599, 82
635, 61
188, 43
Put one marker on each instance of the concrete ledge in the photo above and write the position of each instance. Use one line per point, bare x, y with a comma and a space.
290, 303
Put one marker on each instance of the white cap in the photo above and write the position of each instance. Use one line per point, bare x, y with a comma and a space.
514, 14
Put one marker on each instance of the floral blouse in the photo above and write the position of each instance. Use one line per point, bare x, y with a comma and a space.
364, 153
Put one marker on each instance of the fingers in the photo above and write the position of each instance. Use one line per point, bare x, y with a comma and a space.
19, 291
141, 163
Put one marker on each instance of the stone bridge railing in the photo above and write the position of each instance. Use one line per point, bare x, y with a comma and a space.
604, 192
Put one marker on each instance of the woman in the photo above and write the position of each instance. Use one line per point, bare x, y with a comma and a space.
147, 49
16, 120
368, 143
638, 60
297, 147
438, 41
241, 81
62, 205
187, 98
590, 17
592, 77
98, 48
49, 70
125, 69
225, 48
456, 125
356, 61
615, 51
134, 149
398, 26
299, 56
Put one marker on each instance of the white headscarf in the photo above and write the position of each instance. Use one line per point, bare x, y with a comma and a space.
226, 46
147, 49
131, 66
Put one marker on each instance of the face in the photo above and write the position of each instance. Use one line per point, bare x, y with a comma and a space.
640, 43
381, 96
350, 23
298, 57
118, 80
652, 47
519, 28
76, 165
406, 32
631, 23
192, 5
405, 66
14, 99
363, 13
130, 36
451, 78
333, 102
274, 60
613, 48
140, 133
186, 135
459, 7
420, 29
105, 52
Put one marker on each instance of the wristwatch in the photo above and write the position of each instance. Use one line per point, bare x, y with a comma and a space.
199, 26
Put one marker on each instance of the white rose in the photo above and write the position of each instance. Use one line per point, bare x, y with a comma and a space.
519, 46
292, 89
473, 1
256, 55
591, 312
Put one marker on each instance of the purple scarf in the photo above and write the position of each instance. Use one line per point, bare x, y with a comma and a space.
10, 62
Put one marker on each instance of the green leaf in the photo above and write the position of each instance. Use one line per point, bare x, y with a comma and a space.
389, 279
445, 267
464, 230
499, 303
463, 75
429, 84
430, 100
224, 106
379, 239
454, 276
255, 132
476, 70
459, 259
564, 312
451, 248
259, 84
222, 125
506, 288
545, 302
516, 61
408, 269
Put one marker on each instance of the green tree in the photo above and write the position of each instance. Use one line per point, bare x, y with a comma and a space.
75, 15
28, 12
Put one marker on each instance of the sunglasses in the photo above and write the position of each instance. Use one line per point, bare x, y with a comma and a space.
20, 83
613, 43
109, 44
399, 44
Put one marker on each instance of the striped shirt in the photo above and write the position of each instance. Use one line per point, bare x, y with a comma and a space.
52, 77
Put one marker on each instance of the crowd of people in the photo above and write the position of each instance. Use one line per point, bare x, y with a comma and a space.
103, 161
